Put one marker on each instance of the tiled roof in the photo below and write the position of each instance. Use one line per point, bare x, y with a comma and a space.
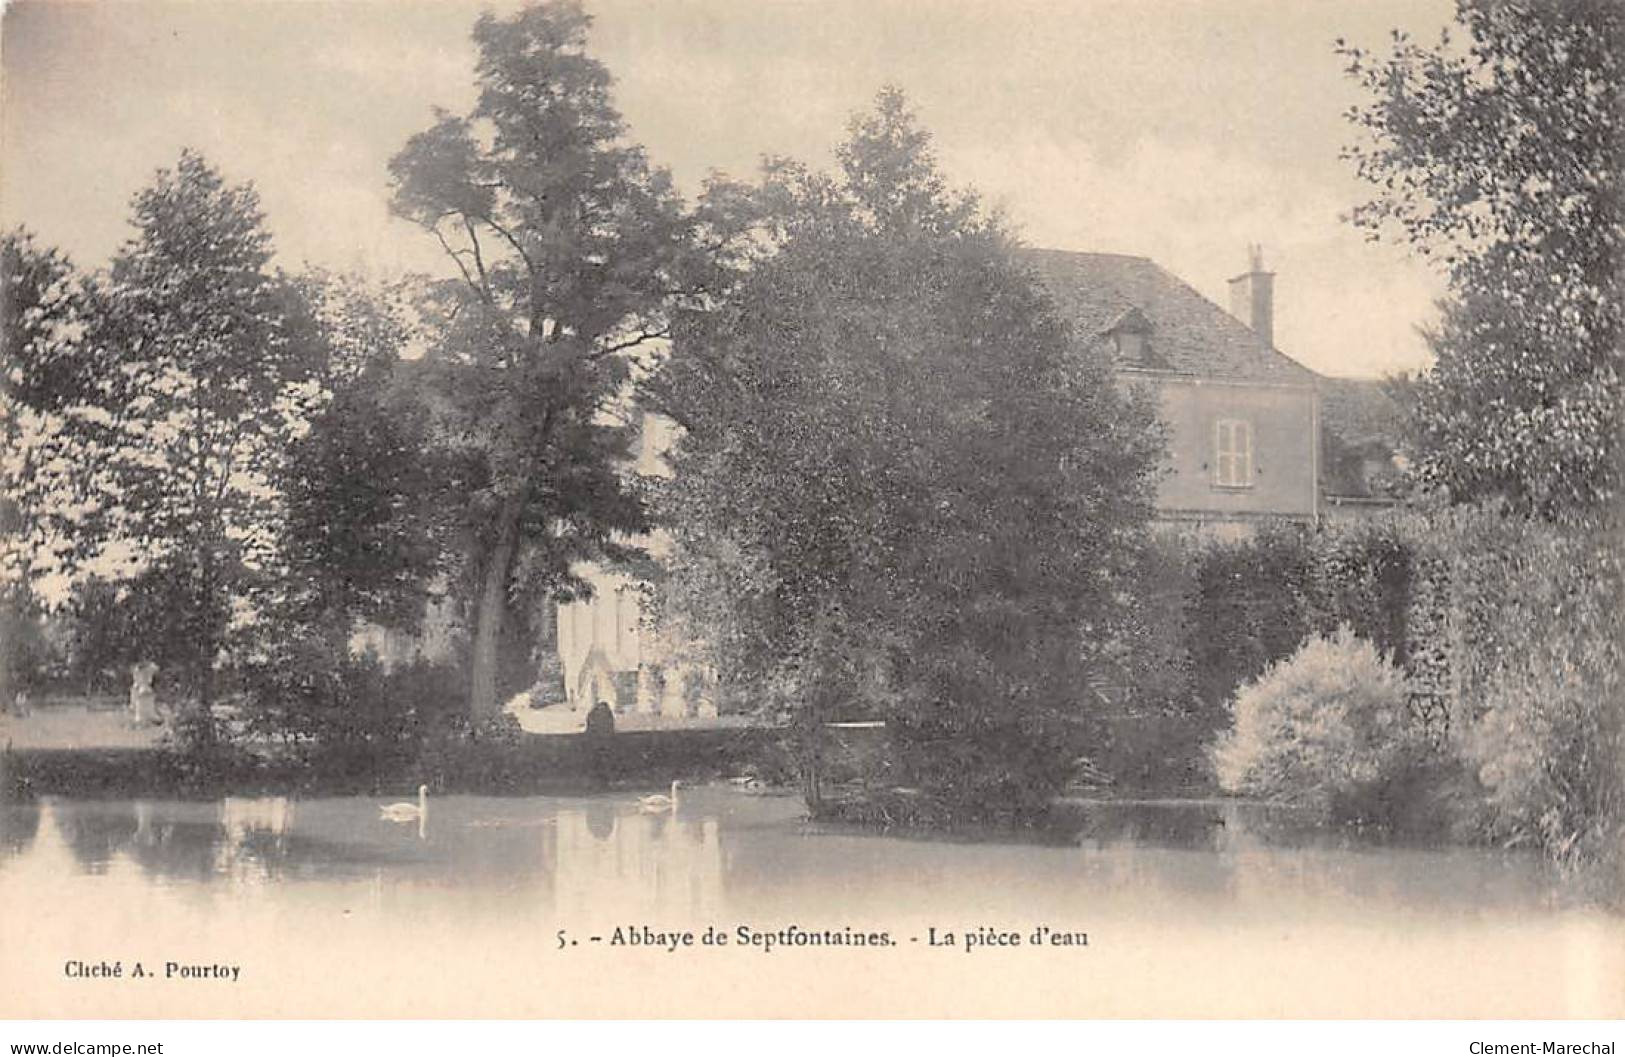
1359, 410
1189, 333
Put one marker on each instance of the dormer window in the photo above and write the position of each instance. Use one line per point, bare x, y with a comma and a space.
1131, 339
1131, 346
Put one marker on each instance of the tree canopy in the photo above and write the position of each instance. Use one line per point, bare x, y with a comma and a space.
363, 487
1500, 155
157, 422
901, 491
204, 454
43, 315
569, 248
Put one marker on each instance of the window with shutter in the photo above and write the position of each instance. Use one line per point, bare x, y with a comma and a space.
1233, 453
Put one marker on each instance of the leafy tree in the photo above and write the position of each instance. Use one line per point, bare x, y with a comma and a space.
43, 305
900, 490
568, 248
169, 416
363, 536
345, 511
1502, 159
1539, 688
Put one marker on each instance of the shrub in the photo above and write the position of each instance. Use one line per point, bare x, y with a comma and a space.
1212, 616
311, 692
1540, 617
1327, 728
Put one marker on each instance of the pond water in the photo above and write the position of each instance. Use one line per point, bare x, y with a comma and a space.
489, 907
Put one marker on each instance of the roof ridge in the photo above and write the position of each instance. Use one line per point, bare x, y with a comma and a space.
1231, 347
1084, 253
1267, 346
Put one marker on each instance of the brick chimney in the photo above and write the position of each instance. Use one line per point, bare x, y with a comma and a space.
1252, 296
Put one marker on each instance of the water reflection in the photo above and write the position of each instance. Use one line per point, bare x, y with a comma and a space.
18, 827
463, 915
606, 861
723, 850
1201, 825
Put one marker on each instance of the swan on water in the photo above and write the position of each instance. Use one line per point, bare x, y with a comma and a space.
408, 812
660, 801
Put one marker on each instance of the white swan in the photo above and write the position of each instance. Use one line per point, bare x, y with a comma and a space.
408, 812
660, 801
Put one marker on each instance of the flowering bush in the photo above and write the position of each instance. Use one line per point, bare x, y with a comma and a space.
1328, 727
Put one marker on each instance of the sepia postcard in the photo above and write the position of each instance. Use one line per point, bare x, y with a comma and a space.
812, 509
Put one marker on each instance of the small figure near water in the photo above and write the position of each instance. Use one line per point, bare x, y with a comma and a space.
143, 698
600, 721
600, 729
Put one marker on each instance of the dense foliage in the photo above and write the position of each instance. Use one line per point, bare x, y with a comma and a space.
316, 698
161, 424
1327, 725
43, 306
569, 249
211, 461
901, 492
1508, 631
1251, 607
1159, 728
365, 486
1206, 616
1501, 155
1538, 624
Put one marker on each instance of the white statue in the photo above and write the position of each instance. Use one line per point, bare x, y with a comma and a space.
143, 699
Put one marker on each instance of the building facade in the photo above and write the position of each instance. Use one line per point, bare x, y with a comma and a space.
609, 652
1243, 419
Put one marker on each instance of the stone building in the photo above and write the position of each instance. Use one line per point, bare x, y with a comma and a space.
1244, 420
608, 652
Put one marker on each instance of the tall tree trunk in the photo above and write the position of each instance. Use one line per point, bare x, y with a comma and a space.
492, 611
549, 668
809, 740
207, 645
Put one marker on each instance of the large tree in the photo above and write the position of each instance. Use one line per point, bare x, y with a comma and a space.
162, 424
363, 488
43, 311
901, 491
568, 248
1500, 154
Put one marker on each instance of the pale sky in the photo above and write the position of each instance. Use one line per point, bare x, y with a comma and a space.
1174, 129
